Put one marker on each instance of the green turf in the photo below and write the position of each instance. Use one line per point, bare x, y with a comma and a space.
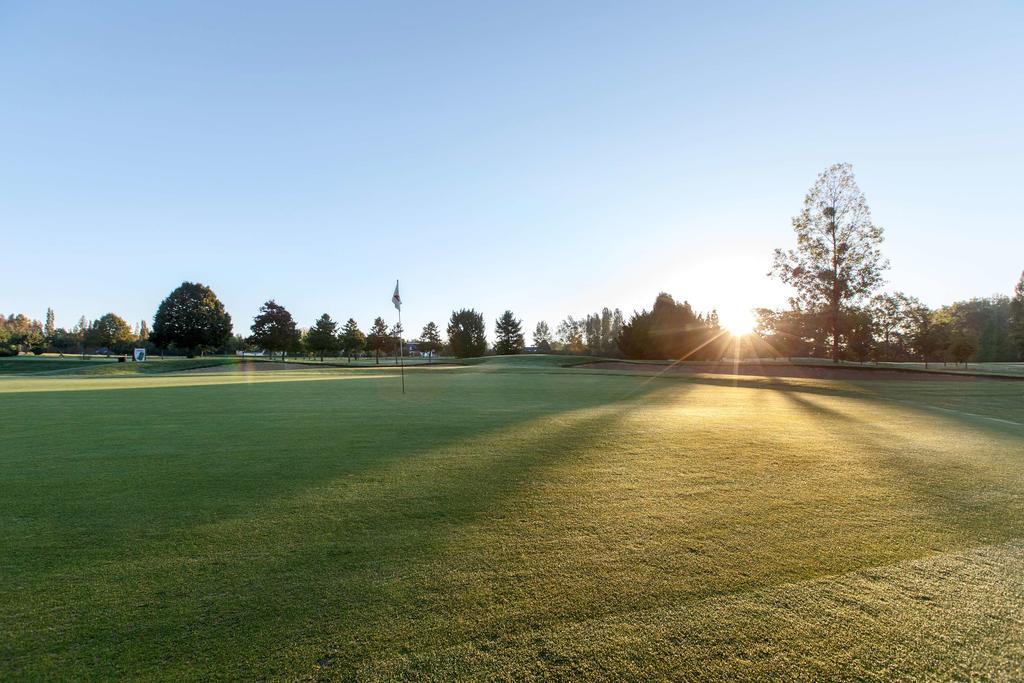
508, 521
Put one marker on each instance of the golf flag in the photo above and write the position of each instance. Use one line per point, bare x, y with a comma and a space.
396, 299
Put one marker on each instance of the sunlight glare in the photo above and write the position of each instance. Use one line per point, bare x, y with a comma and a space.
738, 323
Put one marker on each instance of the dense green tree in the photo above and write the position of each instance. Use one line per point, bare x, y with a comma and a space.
837, 260
890, 313
379, 340
509, 334
111, 331
926, 335
961, 347
323, 337
1016, 323
672, 330
51, 327
430, 340
467, 334
352, 339
191, 318
860, 337
273, 329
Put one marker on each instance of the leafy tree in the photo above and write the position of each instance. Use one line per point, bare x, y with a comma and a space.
379, 340
467, 334
892, 320
64, 341
323, 336
430, 340
570, 333
926, 336
542, 337
860, 340
191, 318
273, 329
352, 339
509, 333
111, 331
961, 347
987, 322
1016, 324
837, 260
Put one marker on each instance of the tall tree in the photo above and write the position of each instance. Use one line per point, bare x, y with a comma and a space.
542, 337
191, 318
837, 260
926, 336
467, 333
430, 340
1017, 318
273, 329
323, 336
509, 333
592, 333
379, 340
352, 339
50, 326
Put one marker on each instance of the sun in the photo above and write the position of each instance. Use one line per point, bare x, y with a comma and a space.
738, 322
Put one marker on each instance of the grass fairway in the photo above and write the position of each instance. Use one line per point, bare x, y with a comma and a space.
509, 520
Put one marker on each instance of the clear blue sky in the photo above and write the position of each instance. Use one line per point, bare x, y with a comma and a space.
551, 158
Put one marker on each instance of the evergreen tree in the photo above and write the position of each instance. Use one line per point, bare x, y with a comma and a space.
509, 334
352, 339
607, 341
50, 327
273, 329
379, 340
467, 334
396, 340
323, 336
430, 340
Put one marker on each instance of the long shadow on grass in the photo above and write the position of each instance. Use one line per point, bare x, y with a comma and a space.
260, 546
960, 493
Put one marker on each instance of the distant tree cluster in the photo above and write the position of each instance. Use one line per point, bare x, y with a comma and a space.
673, 330
898, 327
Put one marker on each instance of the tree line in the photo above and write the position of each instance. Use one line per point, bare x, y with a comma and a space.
837, 311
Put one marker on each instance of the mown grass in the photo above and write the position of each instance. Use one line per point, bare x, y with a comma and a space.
509, 523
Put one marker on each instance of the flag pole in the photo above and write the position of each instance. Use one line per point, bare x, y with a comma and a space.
401, 350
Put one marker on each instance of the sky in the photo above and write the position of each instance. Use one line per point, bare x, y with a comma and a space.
548, 158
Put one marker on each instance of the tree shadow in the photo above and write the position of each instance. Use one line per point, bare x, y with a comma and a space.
375, 502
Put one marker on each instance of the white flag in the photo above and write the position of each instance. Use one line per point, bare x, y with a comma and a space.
397, 299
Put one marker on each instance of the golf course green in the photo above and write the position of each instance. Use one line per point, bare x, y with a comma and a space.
506, 519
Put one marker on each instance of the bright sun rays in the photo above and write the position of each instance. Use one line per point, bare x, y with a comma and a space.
738, 321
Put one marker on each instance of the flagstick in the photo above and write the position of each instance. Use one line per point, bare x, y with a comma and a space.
401, 350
